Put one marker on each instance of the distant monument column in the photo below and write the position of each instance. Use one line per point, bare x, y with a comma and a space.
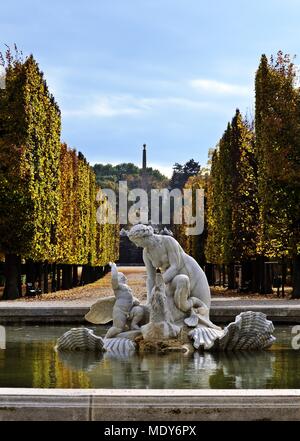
129, 253
144, 169
145, 211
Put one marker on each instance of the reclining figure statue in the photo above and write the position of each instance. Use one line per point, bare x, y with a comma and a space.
186, 283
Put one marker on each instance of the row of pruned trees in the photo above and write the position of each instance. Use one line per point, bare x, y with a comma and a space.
47, 191
232, 200
252, 205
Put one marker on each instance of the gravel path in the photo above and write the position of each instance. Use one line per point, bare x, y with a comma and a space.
87, 295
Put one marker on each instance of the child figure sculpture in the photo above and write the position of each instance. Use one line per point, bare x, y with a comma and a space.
126, 308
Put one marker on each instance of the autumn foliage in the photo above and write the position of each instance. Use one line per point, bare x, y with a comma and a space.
47, 191
253, 189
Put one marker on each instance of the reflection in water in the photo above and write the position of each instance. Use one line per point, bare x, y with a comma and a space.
30, 361
239, 370
80, 361
2, 337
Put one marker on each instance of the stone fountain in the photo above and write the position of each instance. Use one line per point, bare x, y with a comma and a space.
176, 314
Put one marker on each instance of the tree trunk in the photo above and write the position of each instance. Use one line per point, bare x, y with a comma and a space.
93, 274
255, 276
39, 272
265, 283
231, 281
30, 277
208, 271
86, 275
98, 272
75, 280
13, 282
53, 278
247, 276
283, 272
106, 269
260, 273
268, 279
30, 271
57, 277
223, 275
214, 274
45, 290
296, 277
66, 277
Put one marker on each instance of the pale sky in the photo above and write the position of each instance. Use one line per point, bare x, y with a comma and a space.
168, 73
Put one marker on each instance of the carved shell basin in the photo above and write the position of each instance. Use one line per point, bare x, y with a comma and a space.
84, 339
250, 331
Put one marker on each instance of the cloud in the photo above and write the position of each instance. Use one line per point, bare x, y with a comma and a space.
109, 106
152, 98
174, 102
106, 107
219, 88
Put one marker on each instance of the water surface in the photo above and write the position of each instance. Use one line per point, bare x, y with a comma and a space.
29, 360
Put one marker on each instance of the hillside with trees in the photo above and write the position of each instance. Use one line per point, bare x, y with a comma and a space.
108, 176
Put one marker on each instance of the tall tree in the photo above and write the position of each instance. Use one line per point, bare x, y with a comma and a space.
232, 198
244, 198
277, 125
29, 173
214, 212
181, 173
194, 244
47, 192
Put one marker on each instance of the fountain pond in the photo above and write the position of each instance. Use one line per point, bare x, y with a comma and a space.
30, 361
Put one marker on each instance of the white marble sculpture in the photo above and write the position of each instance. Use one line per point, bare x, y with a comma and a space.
123, 304
188, 298
178, 303
161, 325
80, 339
187, 288
123, 309
85, 340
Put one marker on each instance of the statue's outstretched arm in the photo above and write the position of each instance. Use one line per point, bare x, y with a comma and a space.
114, 276
150, 274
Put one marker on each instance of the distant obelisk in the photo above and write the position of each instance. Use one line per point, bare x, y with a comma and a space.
144, 169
